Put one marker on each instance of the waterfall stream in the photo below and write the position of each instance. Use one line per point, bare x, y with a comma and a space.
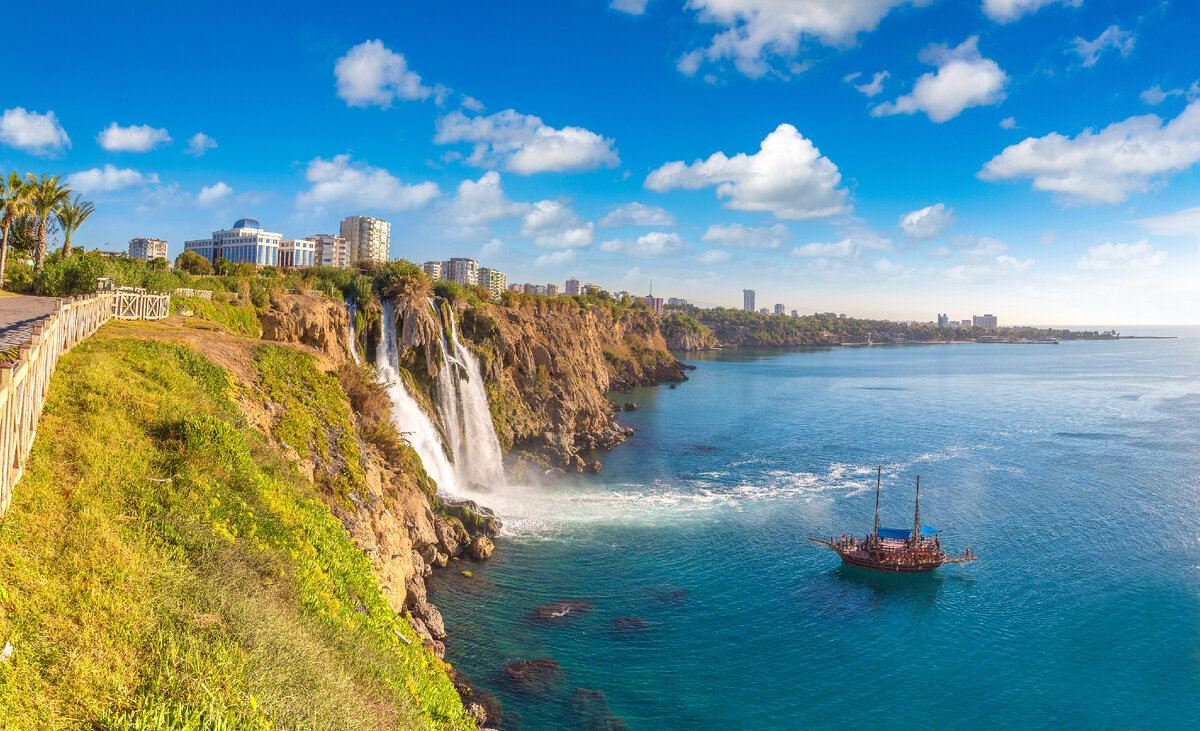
352, 308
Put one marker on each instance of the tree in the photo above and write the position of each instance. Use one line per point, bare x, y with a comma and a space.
193, 263
160, 263
71, 214
47, 193
14, 202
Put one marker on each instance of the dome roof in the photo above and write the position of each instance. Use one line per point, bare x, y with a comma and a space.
247, 223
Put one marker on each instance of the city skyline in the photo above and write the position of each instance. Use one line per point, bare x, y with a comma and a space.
888, 160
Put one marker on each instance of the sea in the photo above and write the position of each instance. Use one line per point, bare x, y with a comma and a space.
1072, 471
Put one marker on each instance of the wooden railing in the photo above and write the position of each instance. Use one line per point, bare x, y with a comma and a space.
24, 382
204, 294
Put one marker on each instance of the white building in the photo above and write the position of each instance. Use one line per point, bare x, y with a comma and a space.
461, 271
988, 322
778, 308
331, 251
494, 280
368, 238
676, 301
433, 269
297, 253
516, 288
654, 303
245, 243
748, 300
572, 287
147, 249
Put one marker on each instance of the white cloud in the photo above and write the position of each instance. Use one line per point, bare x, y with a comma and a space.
982, 247
1155, 95
1179, 223
526, 145
843, 249
637, 214
1048, 237
654, 245
963, 79
347, 183
928, 222
472, 104
633, 7
749, 237
756, 32
940, 252
553, 225
134, 138
371, 74
874, 86
1004, 11
478, 203
787, 176
108, 179
555, 258
989, 269
1122, 257
1112, 37
495, 247
37, 134
199, 143
1105, 166
713, 256
212, 194
1008, 123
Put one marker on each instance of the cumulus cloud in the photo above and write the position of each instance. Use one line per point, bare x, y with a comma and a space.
1112, 37
759, 32
713, 256
1122, 257
1180, 223
211, 195
108, 179
989, 268
370, 74
1008, 123
477, 204
963, 79
555, 258
654, 245
928, 222
637, 214
1004, 11
134, 138
1105, 166
855, 241
37, 134
345, 182
633, 7
199, 143
872, 87
472, 104
787, 176
553, 225
749, 237
524, 144
843, 249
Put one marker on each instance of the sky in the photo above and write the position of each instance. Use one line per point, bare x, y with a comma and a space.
1035, 159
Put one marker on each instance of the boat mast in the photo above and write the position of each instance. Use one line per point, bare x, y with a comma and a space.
917, 517
878, 482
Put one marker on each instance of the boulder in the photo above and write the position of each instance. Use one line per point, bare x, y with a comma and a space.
437, 648
481, 547
533, 675
476, 520
595, 467
631, 406
432, 618
420, 628
562, 608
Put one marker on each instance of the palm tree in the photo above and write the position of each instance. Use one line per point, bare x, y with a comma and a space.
14, 201
46, 195
71, 215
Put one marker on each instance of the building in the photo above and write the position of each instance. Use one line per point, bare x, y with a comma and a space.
245, 243
572, 287
987, 322
748, 300
795, 313
552, 290
368, 238
943, 320
654, 303
677, 301
779, 309
764, 311
433, 269
330, 251
147, 249
516, 288
461, 271
592, 289
494, 280
297, 253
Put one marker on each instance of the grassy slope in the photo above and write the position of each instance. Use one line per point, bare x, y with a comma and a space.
228, 598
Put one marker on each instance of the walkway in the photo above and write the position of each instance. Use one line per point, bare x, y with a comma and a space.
18, 315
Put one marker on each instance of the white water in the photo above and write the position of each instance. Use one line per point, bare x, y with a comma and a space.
352, 307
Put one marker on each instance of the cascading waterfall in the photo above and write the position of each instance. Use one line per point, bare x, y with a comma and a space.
352, 308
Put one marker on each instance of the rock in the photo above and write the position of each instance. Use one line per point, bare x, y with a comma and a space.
591, 712
562, 608
476, 712
595, 467
631, 406
471, 693
437, 648
533, 675
440, 559
420, 628
481, 547
676, 596
414, 590
475, 519
627, 624
432, 618
452, 536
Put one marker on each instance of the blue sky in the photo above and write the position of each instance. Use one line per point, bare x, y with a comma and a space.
889, 158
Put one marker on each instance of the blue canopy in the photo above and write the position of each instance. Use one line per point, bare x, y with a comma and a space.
927, 531
904, 533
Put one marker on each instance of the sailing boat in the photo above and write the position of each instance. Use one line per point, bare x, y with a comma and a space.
895, 549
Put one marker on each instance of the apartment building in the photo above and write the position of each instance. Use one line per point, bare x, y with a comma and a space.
748, 300
147, 249
331, 251
368, 238
494, 280
433, 269
461, 270
572, 287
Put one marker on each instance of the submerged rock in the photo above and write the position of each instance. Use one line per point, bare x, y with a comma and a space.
472, 694
631, 406
627, 624
590, 712
481, 547
595, 467
562, 608
533, 675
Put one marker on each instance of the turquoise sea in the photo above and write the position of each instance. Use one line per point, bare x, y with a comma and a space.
1073, 471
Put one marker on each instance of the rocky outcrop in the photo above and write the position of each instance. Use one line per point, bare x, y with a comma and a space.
683, 333
308, 319
533, 676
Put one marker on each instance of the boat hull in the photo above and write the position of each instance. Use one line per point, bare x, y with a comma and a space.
892, 567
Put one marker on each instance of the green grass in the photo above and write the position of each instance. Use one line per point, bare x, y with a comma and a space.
239, 319
227, 597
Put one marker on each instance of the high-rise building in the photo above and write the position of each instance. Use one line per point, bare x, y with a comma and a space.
330, 251
572, 287
494, 280
590, 288
433, 269
552, 290
654, 303
368, 238
987, 322
748, 300
943, 320
147, 249
461, 271
297, 253
516, 288
245, 243
676, 301
778, 308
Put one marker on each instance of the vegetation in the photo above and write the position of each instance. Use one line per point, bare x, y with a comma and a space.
235, 317
71, 214
162, 568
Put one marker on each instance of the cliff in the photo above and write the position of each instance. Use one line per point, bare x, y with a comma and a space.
684, 333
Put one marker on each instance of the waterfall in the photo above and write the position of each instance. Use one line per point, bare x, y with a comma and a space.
466, 418
407, 416
352, 308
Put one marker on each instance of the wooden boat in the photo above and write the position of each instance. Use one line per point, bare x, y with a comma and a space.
899, 550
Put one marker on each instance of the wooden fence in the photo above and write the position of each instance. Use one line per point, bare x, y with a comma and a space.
24, 382
204, 294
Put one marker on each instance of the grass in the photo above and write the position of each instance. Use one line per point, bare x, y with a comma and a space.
239, 319
161, 567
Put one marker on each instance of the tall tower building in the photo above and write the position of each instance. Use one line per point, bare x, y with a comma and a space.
367, 238
748, 300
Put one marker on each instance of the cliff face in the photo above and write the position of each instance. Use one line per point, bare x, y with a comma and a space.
308, 319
